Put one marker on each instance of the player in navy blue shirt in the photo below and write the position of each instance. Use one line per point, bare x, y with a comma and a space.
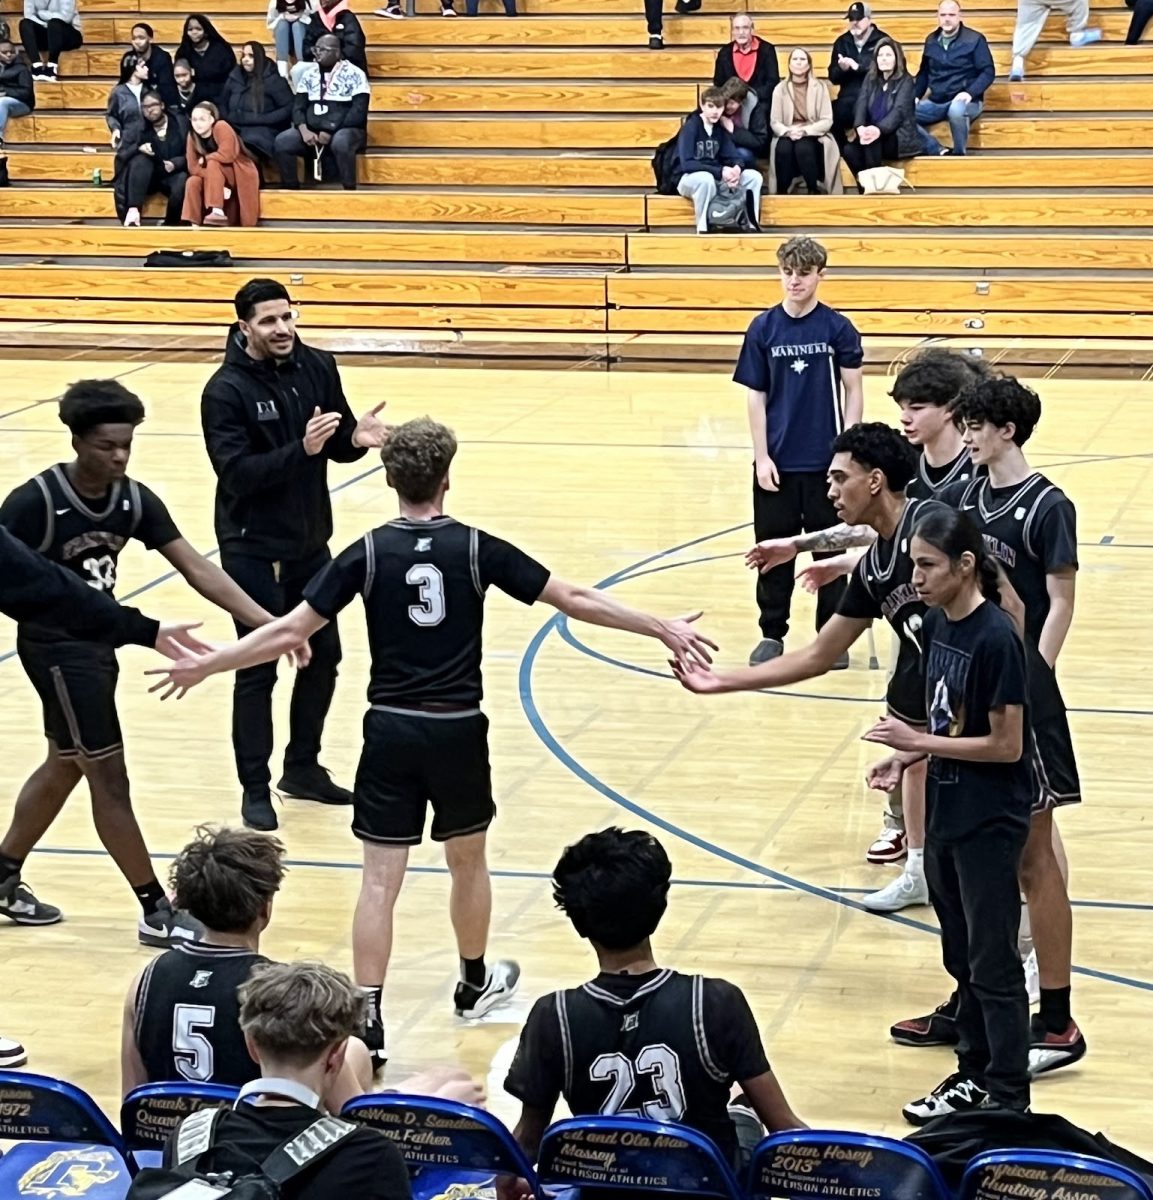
801, 362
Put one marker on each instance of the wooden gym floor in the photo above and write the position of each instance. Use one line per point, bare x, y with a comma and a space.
639, 480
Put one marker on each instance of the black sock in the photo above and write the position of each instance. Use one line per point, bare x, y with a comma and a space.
150, 895
9, 867
375, 996
1055, 1012
472, 971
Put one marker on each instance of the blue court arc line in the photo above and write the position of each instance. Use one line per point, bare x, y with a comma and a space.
789, 882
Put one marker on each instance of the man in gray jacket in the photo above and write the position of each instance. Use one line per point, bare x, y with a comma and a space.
47, 29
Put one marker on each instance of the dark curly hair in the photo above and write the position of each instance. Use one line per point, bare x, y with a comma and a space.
937, 377
224, 877
1001, 400
416, 458
91, 402
878, 447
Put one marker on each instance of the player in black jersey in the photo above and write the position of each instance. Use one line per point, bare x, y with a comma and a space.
81, 515
423, 579
639, 1039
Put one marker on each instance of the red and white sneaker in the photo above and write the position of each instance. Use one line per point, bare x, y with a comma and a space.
890, 847
1052, 1051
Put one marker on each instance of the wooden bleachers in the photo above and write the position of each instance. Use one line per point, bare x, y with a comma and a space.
508, 186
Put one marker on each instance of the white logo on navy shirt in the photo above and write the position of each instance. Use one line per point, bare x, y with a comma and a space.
798, 365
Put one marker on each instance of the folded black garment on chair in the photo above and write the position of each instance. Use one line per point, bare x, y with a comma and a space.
189, 258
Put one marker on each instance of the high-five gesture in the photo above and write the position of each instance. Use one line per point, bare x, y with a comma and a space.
687, 643
370, 430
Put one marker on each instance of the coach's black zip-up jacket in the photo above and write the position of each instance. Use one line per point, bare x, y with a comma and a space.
271, 497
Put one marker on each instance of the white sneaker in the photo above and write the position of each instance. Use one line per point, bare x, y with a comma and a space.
1017, 73
1032, 977
132, 218
503, 979
890, 846
957, 1094
12, 1054
907, 890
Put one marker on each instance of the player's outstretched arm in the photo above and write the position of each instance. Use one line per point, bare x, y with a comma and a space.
818, 657
768, 1100
824, 571
599, 608
210, 580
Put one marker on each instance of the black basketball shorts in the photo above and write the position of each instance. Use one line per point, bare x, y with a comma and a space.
413, 759
76, 683
1050, 745
905, 694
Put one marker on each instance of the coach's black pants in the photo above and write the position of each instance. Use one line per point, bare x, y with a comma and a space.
278, 587
800, 505
975, 893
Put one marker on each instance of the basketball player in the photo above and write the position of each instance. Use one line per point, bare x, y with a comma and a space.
979, 795
639, 1039
81, 515
423, 579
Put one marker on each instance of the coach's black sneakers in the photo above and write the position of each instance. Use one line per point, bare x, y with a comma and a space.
957, 1094
766, 650
939, 1028
19, 905
1050, 1051
501, 984
256, 810
312, 783
167, 927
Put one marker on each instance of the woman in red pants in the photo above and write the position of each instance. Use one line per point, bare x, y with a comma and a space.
223, 182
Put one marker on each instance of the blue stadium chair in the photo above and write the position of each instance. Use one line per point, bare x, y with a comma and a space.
1049, 1173
795, 1164
589, 1153
151, 1112
66, 1145
445, 1145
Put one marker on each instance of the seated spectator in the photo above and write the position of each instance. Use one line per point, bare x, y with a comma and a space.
333, 17
209, 55
886, 119
749, 58
221, 173
159, 164
693, 1038
329, 118
1142, 13
48, 29
746, 121
706, 155
187, 93
17, 95
286, 19
955, 72
655, 23
123, 117
803, 150
1031, 18
298, 1020
159, 62
849, 64
257, 102
472, 7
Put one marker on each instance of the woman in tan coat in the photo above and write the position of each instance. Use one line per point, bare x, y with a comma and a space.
801, 117
223, 183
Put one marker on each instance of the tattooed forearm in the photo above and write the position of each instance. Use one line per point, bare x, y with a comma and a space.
838, 537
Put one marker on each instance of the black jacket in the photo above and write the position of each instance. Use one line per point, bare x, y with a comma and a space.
753, 133
850, 82
16, 82
347, 28
212, 68
271, 497
160, 75
184, 105
901, 119
327, 114
174, 145
239, 106
766, 74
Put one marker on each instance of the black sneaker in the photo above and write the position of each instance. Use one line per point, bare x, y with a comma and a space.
939, 1028
374, 1040
312, 783
501, 984
957, 1094
766, 650
12, 1054
656, 41
256, 810
168, 927
21, 907
1052, 1051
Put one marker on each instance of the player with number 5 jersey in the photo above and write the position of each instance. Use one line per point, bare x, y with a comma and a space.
424, 579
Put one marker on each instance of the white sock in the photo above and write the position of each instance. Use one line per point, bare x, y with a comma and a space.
915, 862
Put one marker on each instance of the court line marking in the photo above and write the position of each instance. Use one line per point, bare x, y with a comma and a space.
555, 747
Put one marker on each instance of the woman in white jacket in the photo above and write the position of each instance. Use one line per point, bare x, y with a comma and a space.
801, 117
48, 29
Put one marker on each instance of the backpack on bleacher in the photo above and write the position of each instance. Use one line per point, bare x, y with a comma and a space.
195, 1140
665, 167
729, 211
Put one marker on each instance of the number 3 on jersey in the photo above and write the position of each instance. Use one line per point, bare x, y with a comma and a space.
430, 584
659, 1062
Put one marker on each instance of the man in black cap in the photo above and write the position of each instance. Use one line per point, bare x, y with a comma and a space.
849, 64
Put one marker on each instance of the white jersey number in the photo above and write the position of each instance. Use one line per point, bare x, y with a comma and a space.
663, 1067
430, 584
190, 1048
103, 572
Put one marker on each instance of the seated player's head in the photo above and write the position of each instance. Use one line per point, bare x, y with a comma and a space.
995, 415
226, 878
868, 460
297, 1019
416, 460
712, 104
949, 557
267, 318
102, 415
614, 887
802, 261
927, 386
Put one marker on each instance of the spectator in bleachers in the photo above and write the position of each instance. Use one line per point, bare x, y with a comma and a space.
329, 118
655, 23
333, 17
286, 19
886, 118
209, 55
706, 156
801, 117
123, 117
187, 93
849, 63
257, 101
1031, 18
1142, 14
746, 121
48, 29
158, 164
17, 95
749, 58
955, 72
158, 59
472, 7
223, 183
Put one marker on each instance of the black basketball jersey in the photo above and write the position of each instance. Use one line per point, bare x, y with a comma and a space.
929, 481
188, 1015
1031, 529
662, 1045
424, 584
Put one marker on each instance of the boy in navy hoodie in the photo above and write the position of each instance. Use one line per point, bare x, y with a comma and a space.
707, 156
